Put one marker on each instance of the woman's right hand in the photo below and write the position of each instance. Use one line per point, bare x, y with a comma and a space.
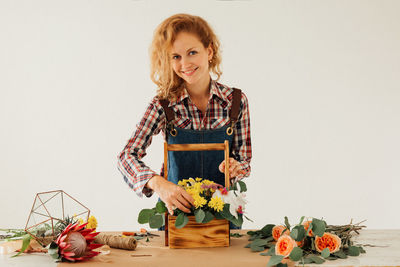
172, 195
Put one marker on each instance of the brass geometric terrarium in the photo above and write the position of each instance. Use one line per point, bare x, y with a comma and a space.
51, 212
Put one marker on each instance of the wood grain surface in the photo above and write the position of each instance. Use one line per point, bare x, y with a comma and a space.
198, 235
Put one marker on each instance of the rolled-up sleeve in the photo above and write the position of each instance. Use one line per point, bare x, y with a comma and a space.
135, 172
241, 148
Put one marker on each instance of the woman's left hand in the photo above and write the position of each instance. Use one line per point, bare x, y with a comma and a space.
235, 169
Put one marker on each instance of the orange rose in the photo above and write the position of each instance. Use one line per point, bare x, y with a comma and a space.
285, 245
306, 225
300, 244
277, 231
328, 240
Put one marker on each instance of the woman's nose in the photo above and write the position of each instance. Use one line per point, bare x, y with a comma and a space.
185, 62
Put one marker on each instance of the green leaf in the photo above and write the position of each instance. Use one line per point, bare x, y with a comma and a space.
25, 243
218, 216
144, 215
156, 221
247, 218
267, 230
298, 233
287, 223
316, 259
281, 265
296, 254
256, 248
307, 261
199, 214
318, 227
226, 213
53, 251
254, 237
251, 232
208, 217
160, 207
238, 221
340, 254
271, 251
260, 242
331, 258
325, 253
301, 220
309, 229
233, 187
361, 249
354, 251
181, 220
294, 234
274, 260
236, 235
248, 245
243, 187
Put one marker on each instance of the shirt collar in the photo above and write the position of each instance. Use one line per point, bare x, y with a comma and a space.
214, 90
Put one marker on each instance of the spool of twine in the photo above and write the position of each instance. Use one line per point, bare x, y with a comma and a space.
116, 241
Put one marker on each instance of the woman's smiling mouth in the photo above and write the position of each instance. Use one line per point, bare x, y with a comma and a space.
189, 72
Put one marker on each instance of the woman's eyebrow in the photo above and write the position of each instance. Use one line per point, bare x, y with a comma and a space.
186, 51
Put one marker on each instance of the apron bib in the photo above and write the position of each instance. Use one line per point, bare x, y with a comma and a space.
203, 164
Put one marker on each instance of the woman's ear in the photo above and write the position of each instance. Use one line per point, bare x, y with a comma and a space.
210, 52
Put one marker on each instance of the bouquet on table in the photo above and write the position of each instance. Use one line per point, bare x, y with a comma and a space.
211, 200
311, 241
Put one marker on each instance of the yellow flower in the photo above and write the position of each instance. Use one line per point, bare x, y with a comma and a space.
207, 182
182, 183
92, 223
197, 188
216, 203
198, 179
199, 201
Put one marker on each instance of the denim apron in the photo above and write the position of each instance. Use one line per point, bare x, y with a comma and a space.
203, 164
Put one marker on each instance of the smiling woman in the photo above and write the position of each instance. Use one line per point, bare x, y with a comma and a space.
190, 107
176, 40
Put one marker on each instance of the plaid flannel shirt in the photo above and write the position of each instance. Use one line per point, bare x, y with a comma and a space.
187, 116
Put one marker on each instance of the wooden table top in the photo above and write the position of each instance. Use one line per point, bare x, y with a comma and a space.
386, 252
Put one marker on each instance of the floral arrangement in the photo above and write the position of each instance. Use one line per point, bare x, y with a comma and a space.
70, 239
310, 241
211, 200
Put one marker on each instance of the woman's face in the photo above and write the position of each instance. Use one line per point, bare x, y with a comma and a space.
190, 58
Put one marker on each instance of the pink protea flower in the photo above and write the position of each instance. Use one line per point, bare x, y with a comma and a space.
75, 243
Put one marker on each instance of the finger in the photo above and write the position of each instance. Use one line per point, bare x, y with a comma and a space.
232, 163
222, 167
184, 202
235, 171
188, 197
181, 207
169, 208
234, 166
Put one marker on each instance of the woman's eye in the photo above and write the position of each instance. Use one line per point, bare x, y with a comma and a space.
175, 57
192, 53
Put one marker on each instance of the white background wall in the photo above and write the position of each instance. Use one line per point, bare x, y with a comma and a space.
322, 78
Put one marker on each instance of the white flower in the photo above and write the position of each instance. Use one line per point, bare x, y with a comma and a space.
234, 199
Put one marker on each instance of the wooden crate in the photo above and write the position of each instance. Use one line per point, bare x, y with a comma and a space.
198, 235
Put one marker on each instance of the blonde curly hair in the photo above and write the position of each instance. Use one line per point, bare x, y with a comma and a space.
161, 73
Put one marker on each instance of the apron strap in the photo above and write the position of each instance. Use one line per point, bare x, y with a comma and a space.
233, 113
169, 113
235, 109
